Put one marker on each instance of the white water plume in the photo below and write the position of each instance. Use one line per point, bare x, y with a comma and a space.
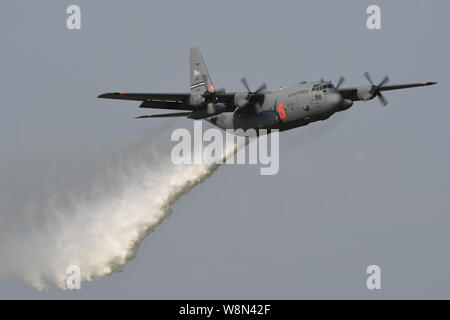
99, 227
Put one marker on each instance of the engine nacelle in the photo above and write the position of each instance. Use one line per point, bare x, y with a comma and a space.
365, 93
196, 100
241, 99
208, 111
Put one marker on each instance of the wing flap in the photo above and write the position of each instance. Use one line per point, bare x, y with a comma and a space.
162, 104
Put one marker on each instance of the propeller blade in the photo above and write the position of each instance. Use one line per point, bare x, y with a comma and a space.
262, 87
340, 82
384, 81
383, 99
245, 83
369, 78
252, 98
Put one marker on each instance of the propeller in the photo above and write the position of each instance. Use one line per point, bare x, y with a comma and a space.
211, 96
252, 94
261, 88
375, 91
340, 82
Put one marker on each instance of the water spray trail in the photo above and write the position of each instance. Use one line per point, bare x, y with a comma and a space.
101, 230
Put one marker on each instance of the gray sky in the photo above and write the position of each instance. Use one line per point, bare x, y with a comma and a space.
370, 186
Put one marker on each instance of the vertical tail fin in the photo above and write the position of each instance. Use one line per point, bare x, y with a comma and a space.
200, 80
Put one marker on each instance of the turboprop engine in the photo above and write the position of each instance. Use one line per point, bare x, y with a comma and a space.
196, 100
207, 111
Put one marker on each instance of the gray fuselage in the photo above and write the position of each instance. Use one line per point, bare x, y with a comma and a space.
287, 108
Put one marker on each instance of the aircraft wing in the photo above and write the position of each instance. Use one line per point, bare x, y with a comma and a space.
176, 101
404, 86
349, 93
352, 93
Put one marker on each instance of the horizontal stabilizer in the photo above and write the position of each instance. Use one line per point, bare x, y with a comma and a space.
165, 115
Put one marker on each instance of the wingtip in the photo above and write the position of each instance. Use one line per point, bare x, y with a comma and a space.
111, 95
429, 83
144, 117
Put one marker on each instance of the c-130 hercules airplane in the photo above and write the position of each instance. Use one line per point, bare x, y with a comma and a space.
281, 109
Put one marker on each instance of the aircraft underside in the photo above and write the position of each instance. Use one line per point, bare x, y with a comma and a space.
230, 121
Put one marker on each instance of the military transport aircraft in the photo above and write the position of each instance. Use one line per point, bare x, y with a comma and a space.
281, 109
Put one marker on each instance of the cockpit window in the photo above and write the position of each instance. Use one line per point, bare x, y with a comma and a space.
320, 87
